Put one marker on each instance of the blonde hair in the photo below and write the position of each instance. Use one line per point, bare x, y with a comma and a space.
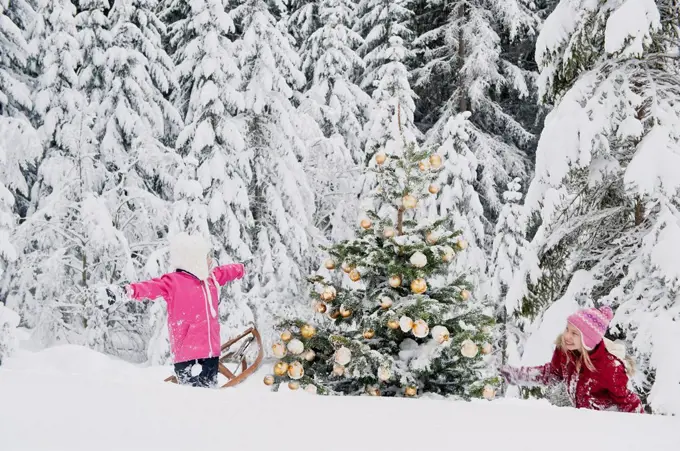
581, 357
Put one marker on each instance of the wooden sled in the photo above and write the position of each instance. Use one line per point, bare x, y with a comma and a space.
242, 369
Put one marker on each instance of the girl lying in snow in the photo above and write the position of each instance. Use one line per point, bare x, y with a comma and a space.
594, 369
191, 293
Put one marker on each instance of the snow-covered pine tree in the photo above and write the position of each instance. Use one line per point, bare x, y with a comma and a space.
15, 95
68, 244
213, 192
607, 196
18, 140
508, 250
462, 64
403, 325
281, 201
339, 107
94, 35
386, 48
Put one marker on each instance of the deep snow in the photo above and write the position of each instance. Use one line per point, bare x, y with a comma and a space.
71, 398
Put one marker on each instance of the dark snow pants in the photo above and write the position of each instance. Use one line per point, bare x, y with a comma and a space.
206, 378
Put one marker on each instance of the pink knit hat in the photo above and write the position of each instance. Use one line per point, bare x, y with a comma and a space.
592, 323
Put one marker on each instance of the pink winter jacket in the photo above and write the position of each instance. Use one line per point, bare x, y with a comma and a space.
193, 323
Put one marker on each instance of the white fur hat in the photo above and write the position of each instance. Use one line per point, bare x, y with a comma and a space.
190, 252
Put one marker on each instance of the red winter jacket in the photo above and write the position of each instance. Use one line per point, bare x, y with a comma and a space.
606, 388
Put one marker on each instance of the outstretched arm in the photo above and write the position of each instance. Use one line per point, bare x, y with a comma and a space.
227, 273
547, 374
150, 289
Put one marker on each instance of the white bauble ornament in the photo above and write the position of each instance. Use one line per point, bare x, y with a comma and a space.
418, 260
449, 253
296, 371
405, 323
420, 328
310, 355
295, 346
338, 370
279, 350
384, 373
469, 349
486, 348
440, 334
311, 388
343, 356
489, 393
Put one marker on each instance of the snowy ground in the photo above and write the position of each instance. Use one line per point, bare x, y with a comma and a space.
71, 398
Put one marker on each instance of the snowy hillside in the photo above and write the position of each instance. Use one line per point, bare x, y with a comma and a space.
71, 398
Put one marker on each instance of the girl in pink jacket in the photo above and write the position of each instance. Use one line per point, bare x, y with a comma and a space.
191, 294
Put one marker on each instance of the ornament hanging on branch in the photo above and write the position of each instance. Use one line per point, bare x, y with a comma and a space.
268, 380
346, 267
486, 348
385, 302
296, 371
409, 202
380, 158
354, 275
328, 294
280, 368
343, 356
321, 307
395, 281
435, 162
440, 334
368, 334
366, 224
388, 232
462, 244
433, 189
406, 324
420, 328
279, 350
419, 286
418, 259
393, 324
411, 391
293, 385
469, 349
345, 312
329, 264
448, 254
465, 295
295, 346
489, 393
310, 355
384, 373
424, 166
286, 335
307, 331
338, 370
311, 389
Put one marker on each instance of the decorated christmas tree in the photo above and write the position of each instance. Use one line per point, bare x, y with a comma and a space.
393, 319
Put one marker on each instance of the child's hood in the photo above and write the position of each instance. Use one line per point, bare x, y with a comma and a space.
189, 253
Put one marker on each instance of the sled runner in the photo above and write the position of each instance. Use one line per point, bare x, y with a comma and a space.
242, 369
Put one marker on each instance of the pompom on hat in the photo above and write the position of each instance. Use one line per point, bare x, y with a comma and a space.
592, 323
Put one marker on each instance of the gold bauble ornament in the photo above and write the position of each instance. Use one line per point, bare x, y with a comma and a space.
435, 161
280, 368
338, 370
489, 392
279, 350
329, 264
385, 302
346, 267
395, 281
469, 349
462, 244
424, 166
334, 314
431, 238
393, 324
410, 391
345, 312
286, 335
409, 201
296, 371
388, 232
419, 286
307, 331
366, 223
354, 275
369, 333
310, 355
268, 379
293, 385
465, 295
486, 348
328, 294
433, 189
373, 391
321, 307
380, 157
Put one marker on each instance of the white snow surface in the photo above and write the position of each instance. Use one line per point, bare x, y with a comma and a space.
72, 398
